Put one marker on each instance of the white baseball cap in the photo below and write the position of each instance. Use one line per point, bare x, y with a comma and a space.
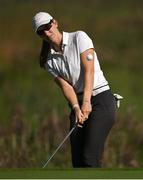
40, 19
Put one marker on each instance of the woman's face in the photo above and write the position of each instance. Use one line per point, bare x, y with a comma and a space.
49, 31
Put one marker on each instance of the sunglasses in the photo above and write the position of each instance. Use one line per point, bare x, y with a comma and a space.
46, 27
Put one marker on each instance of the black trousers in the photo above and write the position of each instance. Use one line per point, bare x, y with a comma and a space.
87, 143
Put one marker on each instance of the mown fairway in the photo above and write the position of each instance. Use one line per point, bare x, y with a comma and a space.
71, 174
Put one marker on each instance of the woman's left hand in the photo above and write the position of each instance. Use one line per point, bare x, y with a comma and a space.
86, 109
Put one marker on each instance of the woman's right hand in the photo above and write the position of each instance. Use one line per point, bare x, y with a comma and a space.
79, 116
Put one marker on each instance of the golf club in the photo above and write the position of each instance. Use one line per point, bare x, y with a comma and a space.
67, 136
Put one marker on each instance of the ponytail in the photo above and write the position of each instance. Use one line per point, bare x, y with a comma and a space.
44, 53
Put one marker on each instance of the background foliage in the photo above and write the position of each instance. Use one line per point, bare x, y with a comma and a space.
33, 112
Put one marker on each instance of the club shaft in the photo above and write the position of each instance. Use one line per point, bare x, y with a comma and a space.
70, 132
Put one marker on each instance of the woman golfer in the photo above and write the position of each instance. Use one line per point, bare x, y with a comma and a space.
72, 60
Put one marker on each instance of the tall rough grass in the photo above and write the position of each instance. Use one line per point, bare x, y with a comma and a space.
23, 146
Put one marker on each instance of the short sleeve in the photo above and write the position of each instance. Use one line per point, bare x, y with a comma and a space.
84, 41
51, 70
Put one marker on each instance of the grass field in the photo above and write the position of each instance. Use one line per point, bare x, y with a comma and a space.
71, 174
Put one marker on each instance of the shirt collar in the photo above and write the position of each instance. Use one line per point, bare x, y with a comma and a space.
64, 42
65, 38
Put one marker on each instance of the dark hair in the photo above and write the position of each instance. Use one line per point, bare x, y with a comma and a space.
44, 53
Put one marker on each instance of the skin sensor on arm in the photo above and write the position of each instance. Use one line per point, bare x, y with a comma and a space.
89, 57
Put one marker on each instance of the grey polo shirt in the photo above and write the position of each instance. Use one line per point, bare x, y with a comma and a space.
68, 64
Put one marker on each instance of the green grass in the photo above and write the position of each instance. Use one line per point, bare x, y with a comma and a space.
71, 173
